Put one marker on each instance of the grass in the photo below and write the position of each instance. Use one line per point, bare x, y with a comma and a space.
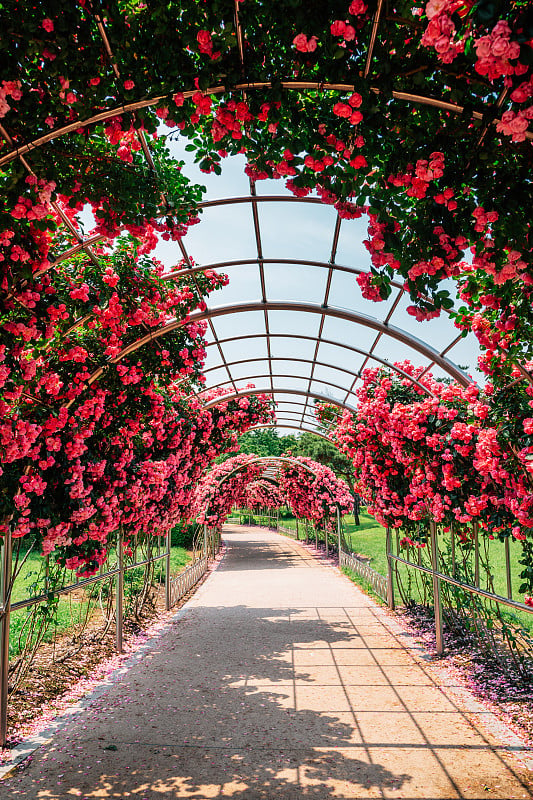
71, 610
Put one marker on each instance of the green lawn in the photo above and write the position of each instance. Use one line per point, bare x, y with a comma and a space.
72, 608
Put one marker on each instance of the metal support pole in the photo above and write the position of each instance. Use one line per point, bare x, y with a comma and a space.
508, 569
436, 588
326, 537
452, 534
475, 529
206, 534
119, 592
5, 595
390, 575
297, 537
316, 535
167, 574
277, 519
339, 534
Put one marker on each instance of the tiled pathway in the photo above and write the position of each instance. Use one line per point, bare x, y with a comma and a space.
280, 681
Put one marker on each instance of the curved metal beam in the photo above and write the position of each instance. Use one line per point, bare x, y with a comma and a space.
292, 427
336, 313
299, 392
289, 358
182, 273
273, 389
317, 86
330, 342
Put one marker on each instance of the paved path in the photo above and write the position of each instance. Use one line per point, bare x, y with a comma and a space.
280, 681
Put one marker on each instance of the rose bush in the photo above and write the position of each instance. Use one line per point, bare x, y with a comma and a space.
452, 455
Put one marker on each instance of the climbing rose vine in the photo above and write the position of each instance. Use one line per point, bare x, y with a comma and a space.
442, 452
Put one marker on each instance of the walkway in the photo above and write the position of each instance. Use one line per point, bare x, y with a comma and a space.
280, 681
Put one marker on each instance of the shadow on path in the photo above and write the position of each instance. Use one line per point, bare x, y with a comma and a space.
270, 701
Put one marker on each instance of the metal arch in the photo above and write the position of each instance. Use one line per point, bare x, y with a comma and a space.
299, 392
292, 359
312, 362
293, 418
268, 461
126, 108
268, 375
286, 413
337, 313
182, 273
292, 427
332, 343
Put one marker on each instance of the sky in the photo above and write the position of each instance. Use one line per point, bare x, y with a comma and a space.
302, 231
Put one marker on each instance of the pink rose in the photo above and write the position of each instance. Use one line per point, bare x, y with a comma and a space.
303, 44
349, 33
357, 7
48, 25
129, 84
338, 27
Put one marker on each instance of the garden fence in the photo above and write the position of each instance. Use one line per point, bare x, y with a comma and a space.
208, 544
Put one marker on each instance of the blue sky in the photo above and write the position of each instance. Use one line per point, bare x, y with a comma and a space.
300, 231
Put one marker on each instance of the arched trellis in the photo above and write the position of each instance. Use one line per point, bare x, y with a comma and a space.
365, 320
270, 463
408, 97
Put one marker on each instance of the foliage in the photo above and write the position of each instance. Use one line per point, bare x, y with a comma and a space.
440, 452
323, 451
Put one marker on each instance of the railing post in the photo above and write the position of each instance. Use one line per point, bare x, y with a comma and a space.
206, 532
5, 598
297, 537
326, 537
339, 534
390, 574
508, 569
277, 519
436, 588
475, 531
452, 542
167, 573
119, 592
316, 535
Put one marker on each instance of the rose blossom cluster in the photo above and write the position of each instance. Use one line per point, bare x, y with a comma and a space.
439, 454
90, 438
311, 490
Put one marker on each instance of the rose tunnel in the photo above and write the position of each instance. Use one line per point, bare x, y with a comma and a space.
357, 295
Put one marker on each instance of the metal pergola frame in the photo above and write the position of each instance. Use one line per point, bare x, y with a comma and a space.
254, 201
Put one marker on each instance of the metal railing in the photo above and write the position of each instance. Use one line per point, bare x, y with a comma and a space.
438, 576
377, 581
384, 585
175, 588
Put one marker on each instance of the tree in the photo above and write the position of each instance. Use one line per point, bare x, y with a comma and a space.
319, 449
266, 442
